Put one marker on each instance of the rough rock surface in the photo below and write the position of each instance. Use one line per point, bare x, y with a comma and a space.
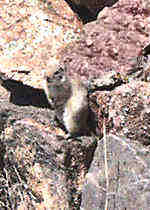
32, 33
112, 42
125, 111
128, 173
129, 111
39, 167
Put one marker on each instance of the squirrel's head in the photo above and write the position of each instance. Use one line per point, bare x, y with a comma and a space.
59, 77
58, 87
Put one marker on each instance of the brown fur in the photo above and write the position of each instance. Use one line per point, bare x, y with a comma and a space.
69, 98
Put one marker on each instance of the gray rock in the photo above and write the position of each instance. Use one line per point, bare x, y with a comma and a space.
128, 172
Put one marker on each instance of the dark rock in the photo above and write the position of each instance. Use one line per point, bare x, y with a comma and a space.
93, 6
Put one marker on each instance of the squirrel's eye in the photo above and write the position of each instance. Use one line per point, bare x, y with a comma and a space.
60, 77
59, 72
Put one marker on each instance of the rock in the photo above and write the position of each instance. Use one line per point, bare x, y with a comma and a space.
108, 81
111, 43
126, 114
32, 35
95, 5
128, 174
129, 111
126, 110
39, 167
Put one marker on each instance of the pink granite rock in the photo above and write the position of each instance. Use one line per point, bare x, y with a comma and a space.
31, 35
112, 42
130, 112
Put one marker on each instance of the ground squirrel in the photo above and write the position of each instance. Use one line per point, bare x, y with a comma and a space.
68, 96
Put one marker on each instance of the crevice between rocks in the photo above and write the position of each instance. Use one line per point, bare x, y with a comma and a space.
24, 95
85, 14
78, 158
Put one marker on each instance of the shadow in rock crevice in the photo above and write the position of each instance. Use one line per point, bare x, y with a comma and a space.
85, 14
24, 95
78, 159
